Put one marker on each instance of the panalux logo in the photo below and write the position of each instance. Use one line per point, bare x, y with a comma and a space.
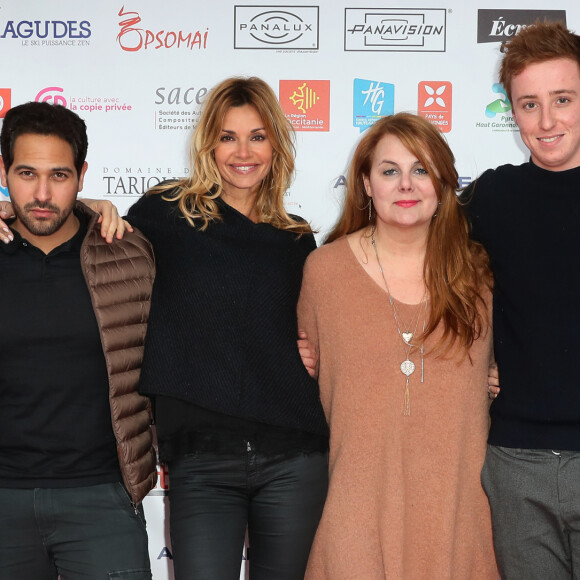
502, 25
395, 29
276, 27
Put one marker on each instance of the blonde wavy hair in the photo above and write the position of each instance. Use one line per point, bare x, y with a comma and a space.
197, 193
456, 269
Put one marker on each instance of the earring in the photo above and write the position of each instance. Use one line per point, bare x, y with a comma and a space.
435, 214
370, 208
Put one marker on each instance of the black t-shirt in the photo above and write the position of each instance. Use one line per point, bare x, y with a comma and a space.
55, 420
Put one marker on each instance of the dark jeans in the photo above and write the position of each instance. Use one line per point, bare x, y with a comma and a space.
534, 496
213, 497
82, 532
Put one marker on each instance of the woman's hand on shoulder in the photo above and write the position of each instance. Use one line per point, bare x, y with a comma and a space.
112, 224
308, 354
492, 381
6, 212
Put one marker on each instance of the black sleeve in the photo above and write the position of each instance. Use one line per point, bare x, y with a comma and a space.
475, 201
147, 213
308, 240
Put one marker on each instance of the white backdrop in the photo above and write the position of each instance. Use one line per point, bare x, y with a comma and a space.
136, 71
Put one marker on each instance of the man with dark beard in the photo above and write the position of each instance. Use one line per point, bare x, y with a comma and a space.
76, 455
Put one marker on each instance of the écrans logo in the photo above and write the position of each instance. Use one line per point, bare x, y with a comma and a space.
494, 25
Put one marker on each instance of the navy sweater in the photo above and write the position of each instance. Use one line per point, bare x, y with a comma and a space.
528, 219
222, 328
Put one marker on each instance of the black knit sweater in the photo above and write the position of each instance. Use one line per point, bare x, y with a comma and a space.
222, 328
528, 219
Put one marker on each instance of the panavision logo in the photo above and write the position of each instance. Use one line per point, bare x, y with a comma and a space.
276, 27
395, 29
502, 25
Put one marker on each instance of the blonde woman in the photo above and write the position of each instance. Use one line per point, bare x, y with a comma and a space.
239, 419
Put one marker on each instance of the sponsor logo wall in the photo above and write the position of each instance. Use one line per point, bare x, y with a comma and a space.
138, 71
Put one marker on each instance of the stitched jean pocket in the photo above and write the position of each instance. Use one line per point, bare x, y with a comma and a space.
142, 574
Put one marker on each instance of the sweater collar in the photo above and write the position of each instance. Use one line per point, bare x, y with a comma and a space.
566, 178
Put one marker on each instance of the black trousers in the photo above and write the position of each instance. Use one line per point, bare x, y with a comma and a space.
213, 497
82, 532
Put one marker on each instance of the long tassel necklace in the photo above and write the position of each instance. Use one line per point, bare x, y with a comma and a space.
405, 334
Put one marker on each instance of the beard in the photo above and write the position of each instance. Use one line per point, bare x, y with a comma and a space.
42, 226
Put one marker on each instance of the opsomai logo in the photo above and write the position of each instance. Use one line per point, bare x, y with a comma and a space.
51, 95
275, 27
395, 29
502, 25
132, 38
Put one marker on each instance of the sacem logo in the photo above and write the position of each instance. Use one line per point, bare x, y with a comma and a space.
503, 25
276, 27
395, 29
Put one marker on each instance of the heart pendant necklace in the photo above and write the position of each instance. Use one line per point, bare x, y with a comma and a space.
407, 366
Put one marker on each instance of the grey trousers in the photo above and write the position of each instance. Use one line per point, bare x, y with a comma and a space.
535, 507
83, 532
